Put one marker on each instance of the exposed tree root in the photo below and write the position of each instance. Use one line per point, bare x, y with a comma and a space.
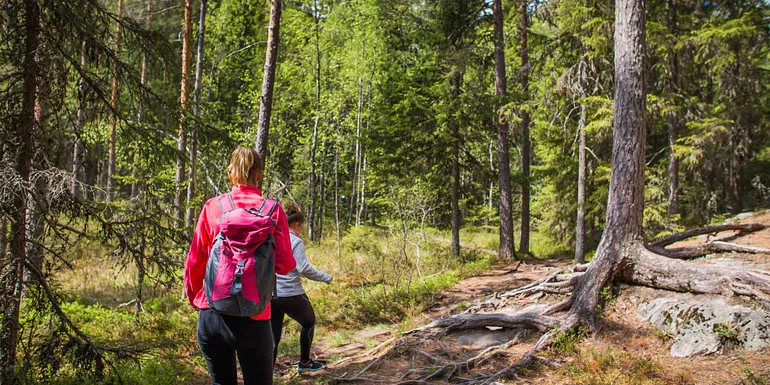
708, 248
671, 239
448, 370
556, 283
513, 370
660, 272
528, 320
631, 262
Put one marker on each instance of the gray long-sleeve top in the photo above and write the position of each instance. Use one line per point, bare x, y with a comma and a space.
290, 284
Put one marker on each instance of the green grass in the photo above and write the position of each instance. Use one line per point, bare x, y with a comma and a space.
378, 283
607, 366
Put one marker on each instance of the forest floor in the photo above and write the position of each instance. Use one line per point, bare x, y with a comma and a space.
625, 349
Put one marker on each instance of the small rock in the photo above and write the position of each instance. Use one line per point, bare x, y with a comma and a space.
482, 338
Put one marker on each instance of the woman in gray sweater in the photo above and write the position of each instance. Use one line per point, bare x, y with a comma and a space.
290, 296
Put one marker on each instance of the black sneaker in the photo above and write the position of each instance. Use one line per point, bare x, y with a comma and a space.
311, 366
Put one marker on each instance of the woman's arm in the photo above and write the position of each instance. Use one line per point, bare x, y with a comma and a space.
195, 266
305, 268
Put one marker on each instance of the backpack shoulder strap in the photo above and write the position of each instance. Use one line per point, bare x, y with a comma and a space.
226, 205
267, 203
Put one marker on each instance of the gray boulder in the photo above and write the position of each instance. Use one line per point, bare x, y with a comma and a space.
703, 327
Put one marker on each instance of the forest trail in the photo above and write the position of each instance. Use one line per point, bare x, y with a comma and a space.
623, 341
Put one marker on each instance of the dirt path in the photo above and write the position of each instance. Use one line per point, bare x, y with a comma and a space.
621, 346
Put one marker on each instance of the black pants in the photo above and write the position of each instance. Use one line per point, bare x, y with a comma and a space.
221, 337
299, 309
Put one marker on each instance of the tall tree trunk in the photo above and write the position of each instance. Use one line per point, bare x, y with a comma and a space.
142, 102
268, 80
37, 198
322, 203
580, 227
525, 146
361, 215
357, 156
142, 99
115, 105
190, 217
313, 177
18, 152
337, 196
490, 202
673, 129
734, 177
504, 204
361, 173
80, 122
184, 96
3, 239
623, 228
454, 129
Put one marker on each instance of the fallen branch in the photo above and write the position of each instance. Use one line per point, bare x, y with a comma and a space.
671, 239
708, 248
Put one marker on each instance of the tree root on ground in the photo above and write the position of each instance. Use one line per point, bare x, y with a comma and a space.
712, 247
630, 261
742, 229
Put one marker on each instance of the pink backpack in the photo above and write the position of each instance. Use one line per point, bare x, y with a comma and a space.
240, 273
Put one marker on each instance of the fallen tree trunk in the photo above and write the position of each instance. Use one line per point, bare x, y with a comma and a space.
708, 248
661, 272
671, 239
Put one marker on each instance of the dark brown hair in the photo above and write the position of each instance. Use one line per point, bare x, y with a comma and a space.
293, 214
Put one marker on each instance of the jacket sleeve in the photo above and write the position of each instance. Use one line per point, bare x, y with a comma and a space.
195, 266
305, 268
284, 260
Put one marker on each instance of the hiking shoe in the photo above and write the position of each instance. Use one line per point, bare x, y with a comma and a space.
311, 366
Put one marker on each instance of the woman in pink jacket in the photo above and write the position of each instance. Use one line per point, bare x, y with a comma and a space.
222, 337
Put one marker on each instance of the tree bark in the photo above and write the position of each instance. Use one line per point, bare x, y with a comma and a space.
580, 227
504, 205
361, 199
322, 202
660, 272
142, 99
671, 239
268, 80
115, 111
622, 236
37, 197
313, 147
337, 197
357, 157
707, 248
190, 216
734, 169
80, 122
673, 129
525, 144
18, 151
454, 129
361, 215
184, 96
3, 240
